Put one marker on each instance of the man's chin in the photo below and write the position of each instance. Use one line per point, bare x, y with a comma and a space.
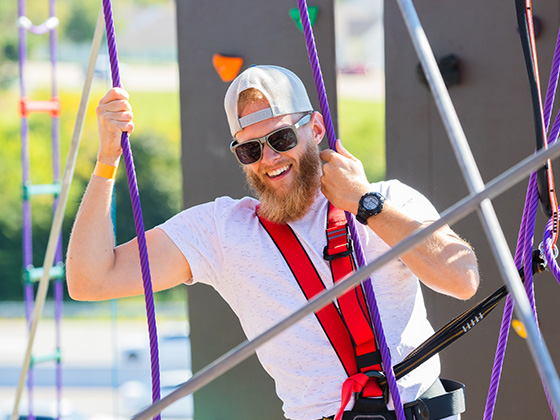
278, 190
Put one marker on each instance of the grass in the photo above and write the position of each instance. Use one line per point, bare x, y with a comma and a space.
362, 131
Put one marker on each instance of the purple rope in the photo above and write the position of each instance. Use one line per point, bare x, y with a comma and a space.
529, 286
53, 38
22, 47
498, 360
137, 212
552, 82
27, 245
555, 130
525, 227
553, 265
58, 289
26, 207
370, 295
29, 297
525, 246
524, 249
548, 252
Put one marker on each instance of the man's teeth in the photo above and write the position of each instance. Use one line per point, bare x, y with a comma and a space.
278, 171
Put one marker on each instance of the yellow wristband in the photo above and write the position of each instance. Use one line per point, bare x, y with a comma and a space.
105, 171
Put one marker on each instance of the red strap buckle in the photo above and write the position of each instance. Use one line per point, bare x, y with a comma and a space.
339, 244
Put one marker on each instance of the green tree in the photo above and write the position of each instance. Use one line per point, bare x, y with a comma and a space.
159, 185
79, 24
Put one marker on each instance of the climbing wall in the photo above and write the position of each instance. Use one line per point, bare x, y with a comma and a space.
493, 102
223, 32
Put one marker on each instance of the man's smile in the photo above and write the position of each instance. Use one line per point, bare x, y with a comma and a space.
279, 171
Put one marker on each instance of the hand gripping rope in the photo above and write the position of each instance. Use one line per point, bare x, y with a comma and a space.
541, 187
360, 257
137, 211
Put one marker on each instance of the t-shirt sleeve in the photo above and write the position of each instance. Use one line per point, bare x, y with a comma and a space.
195, 233
408, 200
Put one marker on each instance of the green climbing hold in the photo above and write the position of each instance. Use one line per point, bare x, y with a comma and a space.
312, 10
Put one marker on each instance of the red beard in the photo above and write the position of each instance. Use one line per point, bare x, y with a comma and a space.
291, 204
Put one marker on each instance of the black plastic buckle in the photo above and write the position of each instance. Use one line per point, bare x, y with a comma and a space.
349, 250
419, 410
377, 374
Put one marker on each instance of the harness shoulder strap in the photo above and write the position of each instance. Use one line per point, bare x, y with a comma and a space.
347, 327
353, 304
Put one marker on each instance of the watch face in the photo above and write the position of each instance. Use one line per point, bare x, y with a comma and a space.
371, 202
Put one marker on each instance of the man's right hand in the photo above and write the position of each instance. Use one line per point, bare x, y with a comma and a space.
114, 116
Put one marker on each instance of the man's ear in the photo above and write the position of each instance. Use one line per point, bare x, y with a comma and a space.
317, 127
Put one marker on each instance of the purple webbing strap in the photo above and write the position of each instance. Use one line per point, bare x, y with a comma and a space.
360, 257
137, 212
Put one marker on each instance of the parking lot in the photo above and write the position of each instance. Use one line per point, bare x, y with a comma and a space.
106, 369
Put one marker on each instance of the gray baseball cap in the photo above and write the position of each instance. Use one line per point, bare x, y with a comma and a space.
284, 91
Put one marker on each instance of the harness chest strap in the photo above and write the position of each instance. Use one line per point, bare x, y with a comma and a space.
347, 327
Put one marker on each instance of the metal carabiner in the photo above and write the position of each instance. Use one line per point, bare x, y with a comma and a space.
543, 255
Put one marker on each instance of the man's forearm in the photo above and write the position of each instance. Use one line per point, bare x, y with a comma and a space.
444, 262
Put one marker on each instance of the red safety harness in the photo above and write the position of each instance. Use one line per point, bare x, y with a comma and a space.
346, 324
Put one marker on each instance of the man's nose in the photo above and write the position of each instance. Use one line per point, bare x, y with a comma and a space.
269, 154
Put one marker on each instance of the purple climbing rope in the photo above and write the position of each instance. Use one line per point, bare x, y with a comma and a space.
525, 235
49, 26
549, 253
523, 256
552, 82
137, 212
58, 261
525, 243
370, 294
550, 93
525, 247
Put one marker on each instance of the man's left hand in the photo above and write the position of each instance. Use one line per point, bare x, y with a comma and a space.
344, 180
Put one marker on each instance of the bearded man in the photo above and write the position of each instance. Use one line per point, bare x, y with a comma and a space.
223, 243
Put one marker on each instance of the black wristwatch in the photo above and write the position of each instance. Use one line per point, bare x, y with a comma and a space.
370, 204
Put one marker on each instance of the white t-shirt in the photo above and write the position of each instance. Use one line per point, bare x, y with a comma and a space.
228, 249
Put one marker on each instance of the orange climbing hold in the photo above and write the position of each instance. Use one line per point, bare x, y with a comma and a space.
227, 67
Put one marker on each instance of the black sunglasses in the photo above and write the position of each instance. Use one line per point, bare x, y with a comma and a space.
280, 140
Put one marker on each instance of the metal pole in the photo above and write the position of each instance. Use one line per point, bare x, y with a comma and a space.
487, 214
59, 213
450, 216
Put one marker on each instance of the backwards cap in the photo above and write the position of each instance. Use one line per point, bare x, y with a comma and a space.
284, 91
